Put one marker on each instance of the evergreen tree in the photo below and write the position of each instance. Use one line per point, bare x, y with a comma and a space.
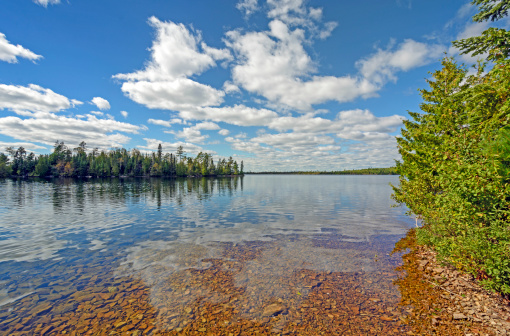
19, 165
5, 168
455, 159
42, 168
160, 152
180, 153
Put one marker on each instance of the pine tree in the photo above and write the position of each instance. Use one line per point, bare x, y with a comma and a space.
454, 171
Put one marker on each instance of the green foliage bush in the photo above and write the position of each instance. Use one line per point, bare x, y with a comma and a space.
455, 170
455, 165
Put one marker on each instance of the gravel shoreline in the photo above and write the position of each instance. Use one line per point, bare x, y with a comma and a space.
445, 301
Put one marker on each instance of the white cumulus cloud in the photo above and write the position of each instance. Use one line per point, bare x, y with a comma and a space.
207, 126
385, 63
10, 52
239, 115
101, 103
177, 94
291, 11
224, 132
293, 141
27, 145
176, 54
33, 98
355, 138
193, 134
275, 65
189, 148
166, 123
46, 128
346, 121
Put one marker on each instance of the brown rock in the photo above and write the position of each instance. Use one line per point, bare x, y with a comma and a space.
65, 308
46, 329
18, 326
386, 318
273, 309
41, 309
459, 316
105, 296
119, 324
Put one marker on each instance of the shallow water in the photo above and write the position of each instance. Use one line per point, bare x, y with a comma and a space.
264, 254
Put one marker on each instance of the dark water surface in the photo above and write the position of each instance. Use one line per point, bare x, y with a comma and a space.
290, 255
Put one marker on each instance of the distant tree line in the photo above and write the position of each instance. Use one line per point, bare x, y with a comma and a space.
366, 171
77, 162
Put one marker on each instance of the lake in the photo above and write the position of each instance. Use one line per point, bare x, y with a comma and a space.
259, 254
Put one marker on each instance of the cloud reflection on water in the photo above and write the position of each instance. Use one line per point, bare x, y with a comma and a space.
168, 229
286, 226
38, 219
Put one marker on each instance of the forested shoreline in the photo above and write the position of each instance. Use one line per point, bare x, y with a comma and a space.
365, 171
78, 162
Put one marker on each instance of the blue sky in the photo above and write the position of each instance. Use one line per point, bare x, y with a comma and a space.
279, 84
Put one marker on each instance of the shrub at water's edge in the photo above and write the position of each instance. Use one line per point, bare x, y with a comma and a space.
64, 162
455, 164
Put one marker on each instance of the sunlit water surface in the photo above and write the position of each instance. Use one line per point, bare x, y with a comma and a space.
260, 254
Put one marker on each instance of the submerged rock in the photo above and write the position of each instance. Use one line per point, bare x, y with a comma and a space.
273, 309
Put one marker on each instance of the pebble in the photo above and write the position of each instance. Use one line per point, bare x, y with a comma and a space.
459, 316
213, 300
456, 304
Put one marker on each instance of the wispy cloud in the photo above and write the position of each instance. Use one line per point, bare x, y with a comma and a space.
189, 148
45, 3
385, 63
33, 98
248, 7
10, 52
46, 128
